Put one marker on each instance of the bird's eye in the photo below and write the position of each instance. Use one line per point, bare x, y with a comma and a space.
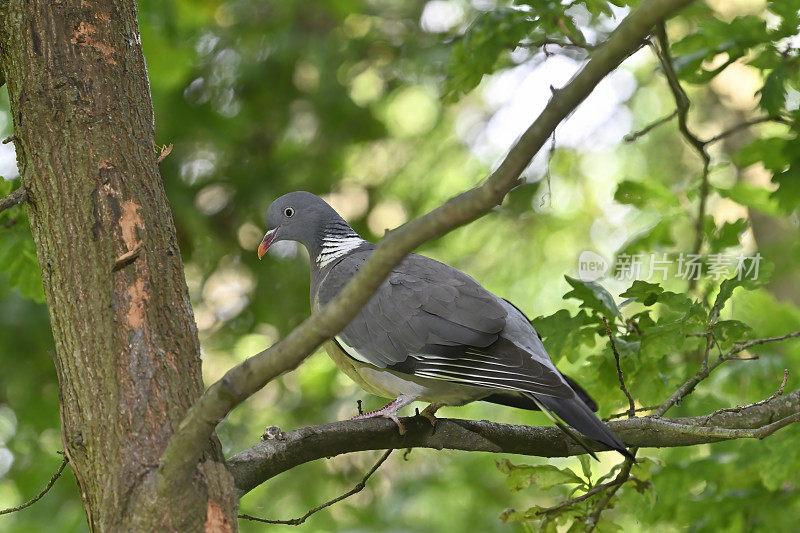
288, 212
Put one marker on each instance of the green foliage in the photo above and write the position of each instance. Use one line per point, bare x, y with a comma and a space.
543, 476
355, 98
592, 296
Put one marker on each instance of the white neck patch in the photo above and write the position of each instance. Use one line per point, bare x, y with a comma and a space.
334, 248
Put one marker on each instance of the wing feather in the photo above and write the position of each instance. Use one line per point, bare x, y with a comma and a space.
431, 320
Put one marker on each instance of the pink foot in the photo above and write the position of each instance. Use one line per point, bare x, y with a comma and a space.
388, 411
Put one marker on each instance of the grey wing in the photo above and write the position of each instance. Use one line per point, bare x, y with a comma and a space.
431, 320
421, 302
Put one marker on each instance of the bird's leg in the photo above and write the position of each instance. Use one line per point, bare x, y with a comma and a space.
430, 413
389, 411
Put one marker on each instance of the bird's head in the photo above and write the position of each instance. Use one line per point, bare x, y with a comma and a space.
297, 216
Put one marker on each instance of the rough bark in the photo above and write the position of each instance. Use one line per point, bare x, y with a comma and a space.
126, 347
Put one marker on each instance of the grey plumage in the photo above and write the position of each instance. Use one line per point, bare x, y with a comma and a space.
430, 332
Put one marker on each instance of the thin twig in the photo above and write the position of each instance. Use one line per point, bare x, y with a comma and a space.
9, 139
41, 494
740, 347
745, 125
631, 137
548, 41
631, 404
571, 501
622, 477
299, 520
683, 103
740, 408
722, 433
688, 386
15, 198
547, 175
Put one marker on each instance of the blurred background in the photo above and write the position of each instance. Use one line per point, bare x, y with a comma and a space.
387, 108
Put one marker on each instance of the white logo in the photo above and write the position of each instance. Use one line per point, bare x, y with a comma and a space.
591, 266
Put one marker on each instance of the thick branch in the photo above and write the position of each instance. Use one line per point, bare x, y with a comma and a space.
267, 459
188, 443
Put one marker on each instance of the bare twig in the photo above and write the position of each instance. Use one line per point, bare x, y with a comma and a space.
10, 138
744, 125
722, 433
549, 41
688, 386
355, 490
683, 103
631, 137
41, 494
742, 346
631, 404
184, 450
622, 477
572, 501
17, 197
740, 408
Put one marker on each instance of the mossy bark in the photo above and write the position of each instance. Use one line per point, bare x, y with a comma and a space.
127, 353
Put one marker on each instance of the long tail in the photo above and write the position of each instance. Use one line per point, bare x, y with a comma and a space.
577, 414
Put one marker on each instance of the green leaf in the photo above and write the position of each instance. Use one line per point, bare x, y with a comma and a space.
751, 196
593, 296
731, 331
770, 151
643, 194
746, 279
543, 476
773, 93
656, 237
586, 466
564, 334
788, 192
643, 292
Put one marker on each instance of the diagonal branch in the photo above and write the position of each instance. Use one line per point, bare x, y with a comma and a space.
706, 369
41, 494
269, 458
186, 446
683, 103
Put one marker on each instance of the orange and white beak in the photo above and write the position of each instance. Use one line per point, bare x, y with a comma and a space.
267, 242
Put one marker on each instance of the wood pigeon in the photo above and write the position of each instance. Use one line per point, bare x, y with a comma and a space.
430, 332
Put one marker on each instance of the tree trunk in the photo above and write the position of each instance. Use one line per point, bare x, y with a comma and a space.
127, 353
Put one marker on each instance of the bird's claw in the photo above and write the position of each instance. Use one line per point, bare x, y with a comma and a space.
429, 413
